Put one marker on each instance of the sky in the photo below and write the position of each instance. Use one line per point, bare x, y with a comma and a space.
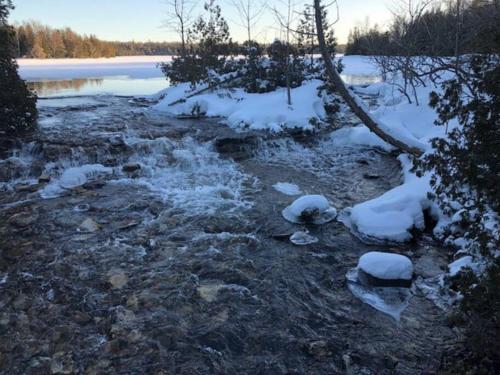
144, 20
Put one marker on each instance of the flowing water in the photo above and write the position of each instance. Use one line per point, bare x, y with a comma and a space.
152, 250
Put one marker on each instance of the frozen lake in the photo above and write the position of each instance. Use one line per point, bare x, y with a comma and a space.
131, 75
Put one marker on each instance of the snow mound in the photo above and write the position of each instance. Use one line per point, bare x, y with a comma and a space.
393, 215
386, 267
455, 267
310, 208
287, 188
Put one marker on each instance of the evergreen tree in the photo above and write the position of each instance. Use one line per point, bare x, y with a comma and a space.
18, 112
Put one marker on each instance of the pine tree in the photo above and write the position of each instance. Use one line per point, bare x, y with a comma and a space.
18, 112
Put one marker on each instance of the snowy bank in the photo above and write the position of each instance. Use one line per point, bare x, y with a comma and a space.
253, 111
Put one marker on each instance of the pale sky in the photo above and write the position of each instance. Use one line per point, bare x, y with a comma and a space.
142, 20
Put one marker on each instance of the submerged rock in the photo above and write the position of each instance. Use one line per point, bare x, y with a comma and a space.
89, 226
310, 209
238, 147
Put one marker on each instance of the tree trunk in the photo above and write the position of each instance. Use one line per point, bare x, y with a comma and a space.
340, 87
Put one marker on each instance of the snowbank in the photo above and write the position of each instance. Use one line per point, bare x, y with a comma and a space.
393, 215
254, 111
386, 266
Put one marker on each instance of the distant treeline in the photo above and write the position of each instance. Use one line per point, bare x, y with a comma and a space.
473, 27
38, 41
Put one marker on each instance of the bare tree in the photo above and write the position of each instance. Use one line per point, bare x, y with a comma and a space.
350, 98
249, 13
286, 19
180, 15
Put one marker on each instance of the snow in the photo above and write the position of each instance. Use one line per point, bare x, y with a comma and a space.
319, 203
386, 266
287, 188
358, 136
303, 238
268, 111
455, 267
53, 69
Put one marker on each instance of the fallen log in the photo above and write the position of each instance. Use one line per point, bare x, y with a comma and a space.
349, 97
205, 89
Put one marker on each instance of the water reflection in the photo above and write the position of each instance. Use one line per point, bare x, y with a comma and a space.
115, 85
50, 88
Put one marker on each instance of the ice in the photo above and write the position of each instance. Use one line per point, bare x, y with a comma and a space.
316, 207
386, 266
52, 69
73, 177
390, 301
287, 188
303, 238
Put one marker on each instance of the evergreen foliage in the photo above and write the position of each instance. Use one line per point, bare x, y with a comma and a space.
18, 112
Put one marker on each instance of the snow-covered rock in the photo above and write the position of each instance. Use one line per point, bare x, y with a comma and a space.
310, 209
385, 270
455, 267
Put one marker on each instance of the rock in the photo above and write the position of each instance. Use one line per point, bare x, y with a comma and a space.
89, 226
44, 178
303, 238
131, 167
238, 147
62, 363
27, 188
379, 269
319, 349
23, 219
117, 278
310, 209
209, 292
371, 176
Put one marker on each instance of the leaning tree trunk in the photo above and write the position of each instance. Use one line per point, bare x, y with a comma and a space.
348, 97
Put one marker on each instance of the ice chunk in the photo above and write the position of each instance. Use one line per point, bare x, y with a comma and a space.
287, 188
77, 176
390, 301
385, 269
302, 239
310, 208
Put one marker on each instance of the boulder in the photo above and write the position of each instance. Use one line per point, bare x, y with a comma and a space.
131, 167
237, 147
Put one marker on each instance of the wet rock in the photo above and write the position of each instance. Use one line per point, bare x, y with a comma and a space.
89, 226
62, 363
11, 169
238, 147
23, 219
117, 278
27, 188
44, 178
319, 349
371, 176
131, 167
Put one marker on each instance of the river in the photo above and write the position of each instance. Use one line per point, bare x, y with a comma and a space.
136, 243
